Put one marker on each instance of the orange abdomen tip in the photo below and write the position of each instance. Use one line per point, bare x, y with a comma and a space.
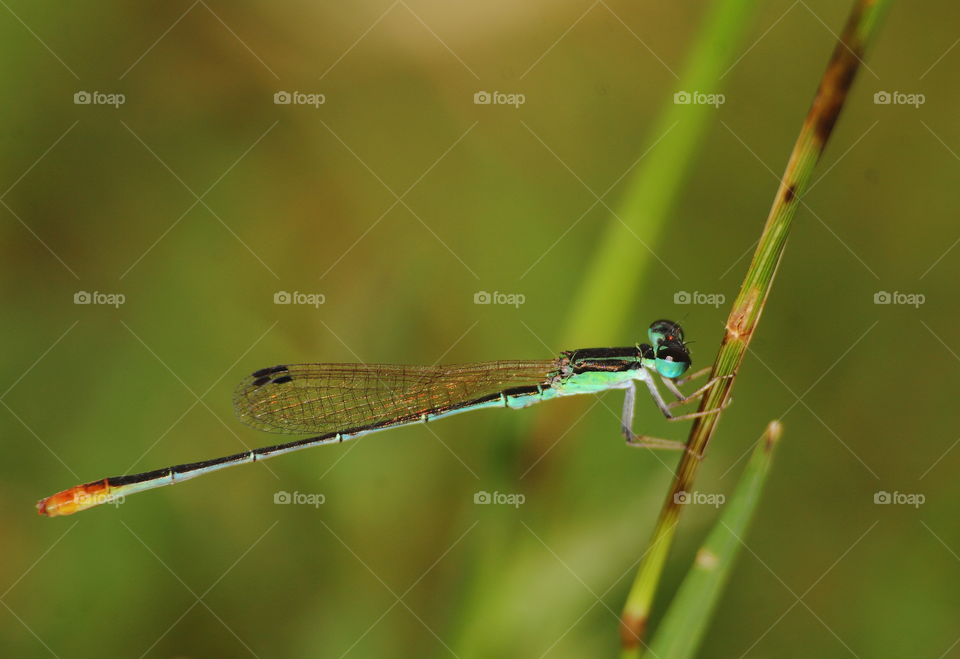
77, 498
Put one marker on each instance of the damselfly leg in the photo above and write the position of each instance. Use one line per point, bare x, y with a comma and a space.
683, 399
642, 441
693, 376
646, 441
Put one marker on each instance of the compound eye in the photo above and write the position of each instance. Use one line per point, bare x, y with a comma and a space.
665, 330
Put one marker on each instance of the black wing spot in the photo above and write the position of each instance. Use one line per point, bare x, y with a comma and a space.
259, 382
270, 370
283, 380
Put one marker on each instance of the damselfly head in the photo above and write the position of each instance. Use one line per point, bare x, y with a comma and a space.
671, 357
665, 331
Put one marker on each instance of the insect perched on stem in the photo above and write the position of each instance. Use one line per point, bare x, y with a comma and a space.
338, 402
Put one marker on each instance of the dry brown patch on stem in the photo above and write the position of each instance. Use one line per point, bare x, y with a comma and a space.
739, 325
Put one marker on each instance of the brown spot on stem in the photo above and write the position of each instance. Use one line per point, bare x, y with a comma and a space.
739, 325
790, 193
632, 629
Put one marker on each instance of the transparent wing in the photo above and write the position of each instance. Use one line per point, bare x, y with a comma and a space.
321, 398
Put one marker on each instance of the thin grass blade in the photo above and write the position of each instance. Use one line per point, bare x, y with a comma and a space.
683, 627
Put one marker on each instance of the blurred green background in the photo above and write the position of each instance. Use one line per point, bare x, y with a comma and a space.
399, 561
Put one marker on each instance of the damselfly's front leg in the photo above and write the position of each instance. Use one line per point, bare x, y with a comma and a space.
682, 398
696, 375
665, 408
642, 441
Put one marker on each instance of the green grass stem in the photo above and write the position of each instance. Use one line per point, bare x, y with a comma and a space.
751, 300
682, 629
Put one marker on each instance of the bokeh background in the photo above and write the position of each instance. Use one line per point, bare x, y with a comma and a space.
399, 561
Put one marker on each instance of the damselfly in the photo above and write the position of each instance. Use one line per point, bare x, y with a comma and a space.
338, 402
